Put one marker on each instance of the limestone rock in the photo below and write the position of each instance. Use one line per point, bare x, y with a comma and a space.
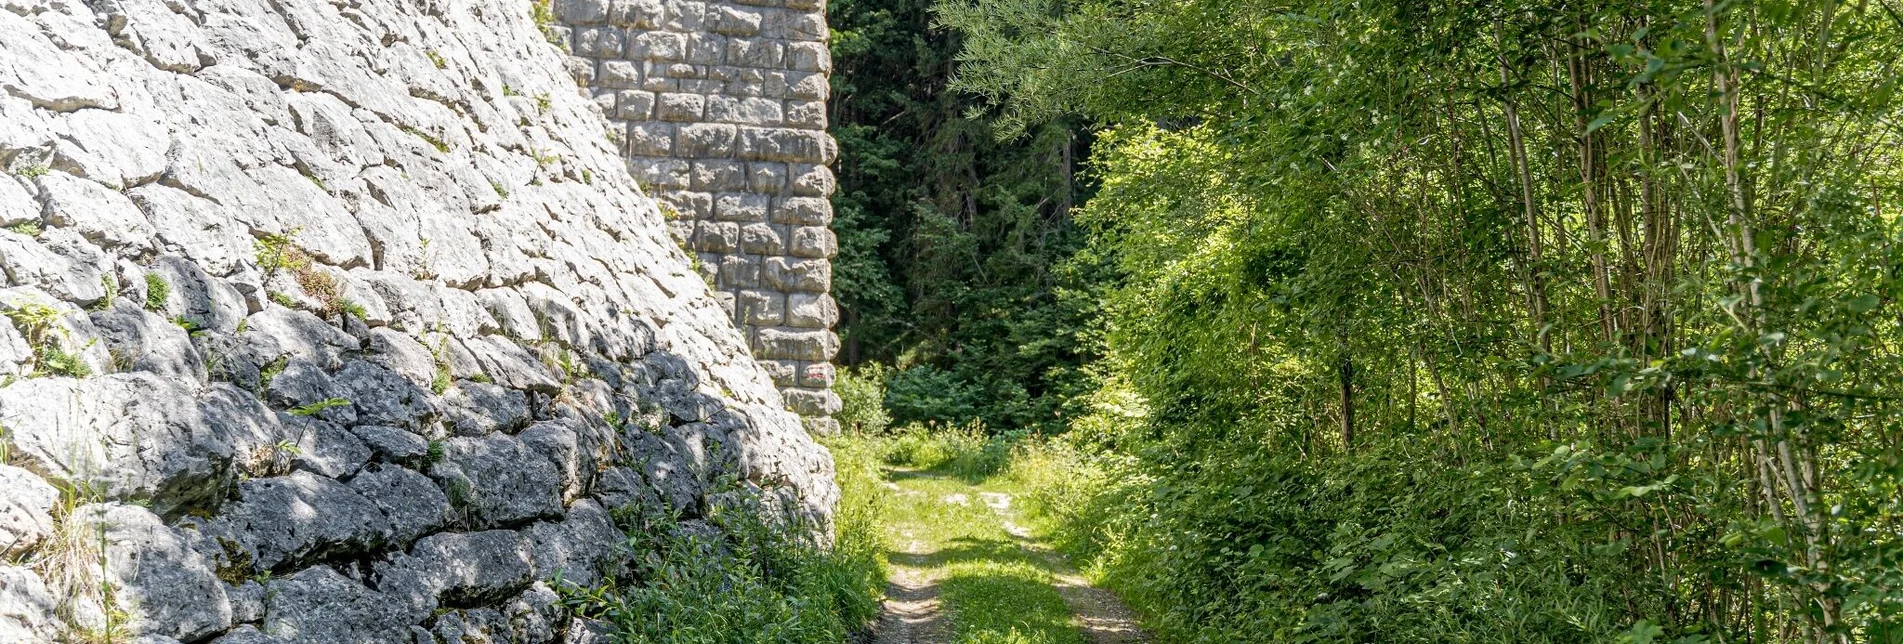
357, 321
26, 607
498, 480
166, 588
320, 606
302, 516
26, 505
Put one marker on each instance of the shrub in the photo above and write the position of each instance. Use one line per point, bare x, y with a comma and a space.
862, 399
749, 579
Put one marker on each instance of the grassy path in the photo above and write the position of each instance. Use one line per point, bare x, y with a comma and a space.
964, 571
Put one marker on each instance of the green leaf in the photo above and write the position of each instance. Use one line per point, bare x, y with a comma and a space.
1603, 119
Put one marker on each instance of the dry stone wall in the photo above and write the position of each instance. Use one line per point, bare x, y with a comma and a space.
345, 322
724, 106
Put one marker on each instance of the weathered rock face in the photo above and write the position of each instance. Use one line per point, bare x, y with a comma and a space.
724, 105
345, 323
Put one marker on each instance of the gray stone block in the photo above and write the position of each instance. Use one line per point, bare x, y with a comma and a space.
811, 310
813, 242
741, 207
791, 344
705, 140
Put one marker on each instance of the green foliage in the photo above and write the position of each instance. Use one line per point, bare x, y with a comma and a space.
33, 171
956, 249
745, 580
157, 292
434, 142
862, 399
437, 59
1494, 321
270, 371
318, 407
28, 228
967, 451
543, 13
111, 286
50, 341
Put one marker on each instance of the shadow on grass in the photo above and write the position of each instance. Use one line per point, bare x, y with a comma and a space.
997, 593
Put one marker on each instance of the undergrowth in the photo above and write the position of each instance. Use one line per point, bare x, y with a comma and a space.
742, 579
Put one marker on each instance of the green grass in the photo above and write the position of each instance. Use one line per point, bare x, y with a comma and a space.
752, 583
994, 590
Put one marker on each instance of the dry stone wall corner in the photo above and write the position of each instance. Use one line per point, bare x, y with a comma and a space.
723, 105
346, 322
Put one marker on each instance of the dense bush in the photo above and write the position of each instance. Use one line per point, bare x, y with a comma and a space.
740, 578
862, 399
957, 252
1486, 321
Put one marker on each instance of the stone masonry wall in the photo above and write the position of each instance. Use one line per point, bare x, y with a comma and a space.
724, 105
344, 323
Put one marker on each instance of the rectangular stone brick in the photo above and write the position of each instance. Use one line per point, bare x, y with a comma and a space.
762, 239
719, 175
744, 111
804, 211
816, 6
598, 42
790, 344
818, 375
582, 12
583, 70
811, 402
766, 177
805, 275
659, 83
739, 271
680, 231
813, 241
762, 307
619, 74
650, 139
686, 72
685, 16
811, 310
674, 106
810, 115
785, 373
811, 87
764, 144
659, 174
634, 104
606, 101
742, 207
755, 52
798, 25
701, 85
706, 49
658, 46
735, 21
809, 57
716, 236
705, 140
813, 180
639, 14
689, 205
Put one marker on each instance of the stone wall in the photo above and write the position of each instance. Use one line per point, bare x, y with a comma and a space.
724, 105
344, 322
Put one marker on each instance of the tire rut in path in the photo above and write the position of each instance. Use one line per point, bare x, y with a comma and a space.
912, 612
914, 615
